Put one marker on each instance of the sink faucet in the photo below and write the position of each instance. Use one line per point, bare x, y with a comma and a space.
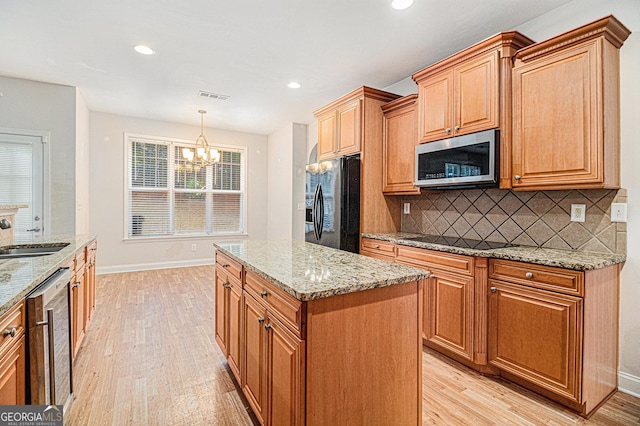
5, 224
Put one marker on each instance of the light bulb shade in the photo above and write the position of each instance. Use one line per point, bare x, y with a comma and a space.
201, 152
214, 155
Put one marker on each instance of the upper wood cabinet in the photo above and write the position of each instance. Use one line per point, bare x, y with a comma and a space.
566, 120
470, 92
353, 124
399, 146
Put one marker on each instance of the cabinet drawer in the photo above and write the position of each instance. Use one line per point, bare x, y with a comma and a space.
380, 248
287, 308
228, 277
231, 266
80, 260
15, 317
90, 250
428, 259
539, 276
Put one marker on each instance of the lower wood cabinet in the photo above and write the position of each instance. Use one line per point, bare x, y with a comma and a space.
78, 309
12, 357
228, 318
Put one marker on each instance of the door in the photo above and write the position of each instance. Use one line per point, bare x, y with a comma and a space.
254, 357
536, 335
435, 97
23, 171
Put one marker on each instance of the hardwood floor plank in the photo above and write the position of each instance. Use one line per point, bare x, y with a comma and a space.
150, 358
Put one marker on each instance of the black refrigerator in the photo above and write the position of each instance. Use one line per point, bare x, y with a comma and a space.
333, 203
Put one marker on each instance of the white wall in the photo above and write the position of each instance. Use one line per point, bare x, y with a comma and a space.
82, 165
32, 105
569, 16
286, 179
107, 193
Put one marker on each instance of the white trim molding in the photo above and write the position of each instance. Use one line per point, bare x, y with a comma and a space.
629, 383
154, 265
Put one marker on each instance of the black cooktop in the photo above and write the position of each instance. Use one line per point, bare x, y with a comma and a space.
460, 242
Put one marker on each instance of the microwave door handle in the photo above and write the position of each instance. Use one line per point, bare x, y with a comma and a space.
52, 369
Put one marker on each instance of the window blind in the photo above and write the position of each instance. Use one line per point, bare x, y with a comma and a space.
16, 183
168, 196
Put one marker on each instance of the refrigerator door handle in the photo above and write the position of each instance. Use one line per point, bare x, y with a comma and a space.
317, 212
321, 215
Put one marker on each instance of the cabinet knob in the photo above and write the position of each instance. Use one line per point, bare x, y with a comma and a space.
9, 332
263, 294
260, 319
267, 327
225, 265
517, 177
529, 275
376, 246
226, 285
448, 130
493, 289
456, 128
433, 276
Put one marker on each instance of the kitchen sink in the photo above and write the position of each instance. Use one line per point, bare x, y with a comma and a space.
30, 250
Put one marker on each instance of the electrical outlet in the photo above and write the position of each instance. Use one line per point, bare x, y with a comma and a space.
578, 212
618, 212
194, 247
407, 208
301, 206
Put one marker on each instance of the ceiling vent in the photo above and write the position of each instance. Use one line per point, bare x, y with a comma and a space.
211, 95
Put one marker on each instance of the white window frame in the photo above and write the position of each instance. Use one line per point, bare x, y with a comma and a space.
171, 143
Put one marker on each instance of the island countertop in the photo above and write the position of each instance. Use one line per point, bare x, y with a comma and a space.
21, 275
310, 271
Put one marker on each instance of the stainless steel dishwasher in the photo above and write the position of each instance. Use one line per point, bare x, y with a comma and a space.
48, 317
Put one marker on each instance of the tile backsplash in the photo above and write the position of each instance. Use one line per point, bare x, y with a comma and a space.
535, 218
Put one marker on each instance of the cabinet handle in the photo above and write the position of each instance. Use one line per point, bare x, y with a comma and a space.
493, 289
376, 246
225, 265
76, 284
529, 275
260, 319
448, 130
263, 294
456, 128
8, 332
517, 177
226, 285
267, 327
433, 276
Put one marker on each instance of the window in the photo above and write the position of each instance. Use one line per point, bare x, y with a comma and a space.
168, 196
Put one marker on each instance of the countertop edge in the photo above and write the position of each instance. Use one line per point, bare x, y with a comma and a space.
554, 257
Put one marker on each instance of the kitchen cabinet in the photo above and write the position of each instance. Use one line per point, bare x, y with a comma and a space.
566, 124
469, 92
274, 356
12, 357
382, 250
228, 299
555, 331
90, 274
399, 146
78, 306
353, 124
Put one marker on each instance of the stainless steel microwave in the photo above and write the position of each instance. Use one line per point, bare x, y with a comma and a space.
462, 161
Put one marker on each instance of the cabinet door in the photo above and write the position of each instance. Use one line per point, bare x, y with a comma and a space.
221, 311
476, 96
557, 132
349, 128
234, 316
90, 273
537, 335
254, 357
399, 151
435, 107
327, 136
449, 313
13, 375
78, 290
286, 366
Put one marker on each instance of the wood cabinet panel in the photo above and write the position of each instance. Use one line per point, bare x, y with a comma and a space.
13, 373
435, 106
379, 247
234, 330
539, 276
221, 311
78, 306
428, 259
537, 335
326, 136
349, 123
450, 313
13, 318
254, 358
232, 268
399, 146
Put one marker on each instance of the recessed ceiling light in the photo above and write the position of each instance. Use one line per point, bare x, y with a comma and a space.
401, 4
145, 50
294, 85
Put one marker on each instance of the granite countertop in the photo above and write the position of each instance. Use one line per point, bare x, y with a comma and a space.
569, 259
310, 271
19, 276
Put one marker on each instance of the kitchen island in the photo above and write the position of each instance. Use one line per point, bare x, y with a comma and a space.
319, 336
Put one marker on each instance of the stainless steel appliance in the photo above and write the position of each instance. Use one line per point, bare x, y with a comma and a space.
49, 328
462, 161
333, 203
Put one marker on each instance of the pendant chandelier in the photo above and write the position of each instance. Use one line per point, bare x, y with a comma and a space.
202, 155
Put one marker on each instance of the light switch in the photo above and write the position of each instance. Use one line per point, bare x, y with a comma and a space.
618, 212
578, 212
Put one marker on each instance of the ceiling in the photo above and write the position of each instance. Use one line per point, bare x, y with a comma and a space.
247, 49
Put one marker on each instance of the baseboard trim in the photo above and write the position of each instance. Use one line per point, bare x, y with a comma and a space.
628, 383
100, 270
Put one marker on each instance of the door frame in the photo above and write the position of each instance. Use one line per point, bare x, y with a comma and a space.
46, 176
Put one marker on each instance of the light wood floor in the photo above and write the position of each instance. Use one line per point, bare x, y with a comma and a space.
150, 357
